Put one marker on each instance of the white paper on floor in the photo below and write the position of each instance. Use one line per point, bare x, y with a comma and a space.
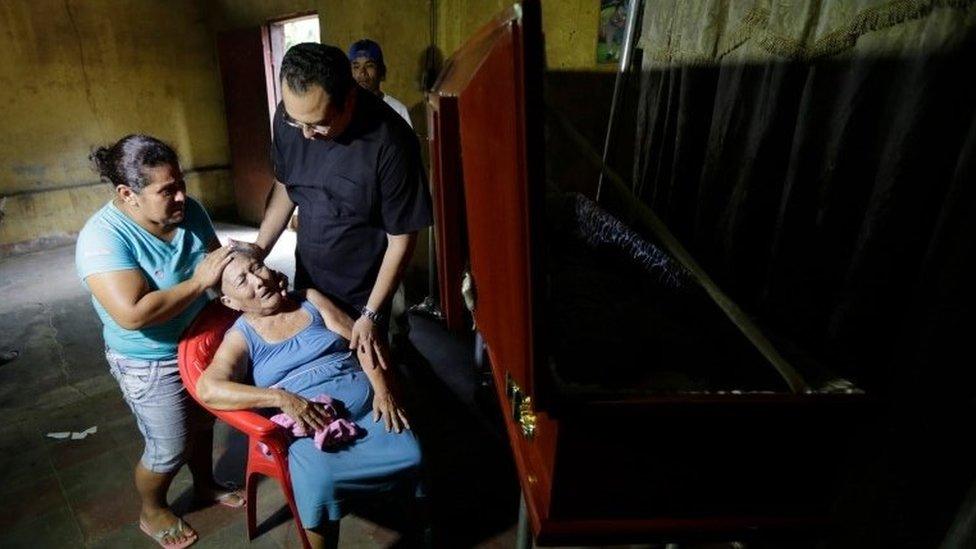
61, 435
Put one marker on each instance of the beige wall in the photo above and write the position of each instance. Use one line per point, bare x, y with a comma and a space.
402, 28
570, 27
399, 26
75, 75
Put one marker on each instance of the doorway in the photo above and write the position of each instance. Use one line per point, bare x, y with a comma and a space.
285, 33
250, 59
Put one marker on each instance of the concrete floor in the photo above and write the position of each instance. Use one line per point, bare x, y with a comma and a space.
79, 493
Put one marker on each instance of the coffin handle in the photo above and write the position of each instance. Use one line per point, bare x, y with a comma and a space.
521, 407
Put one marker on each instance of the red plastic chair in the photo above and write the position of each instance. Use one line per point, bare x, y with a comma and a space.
196, 350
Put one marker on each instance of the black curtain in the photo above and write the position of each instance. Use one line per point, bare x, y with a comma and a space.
835, 200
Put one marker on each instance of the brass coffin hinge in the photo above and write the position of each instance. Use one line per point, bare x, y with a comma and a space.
520, 407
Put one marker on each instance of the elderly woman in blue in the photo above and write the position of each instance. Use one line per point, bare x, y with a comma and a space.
148, 257
295, 349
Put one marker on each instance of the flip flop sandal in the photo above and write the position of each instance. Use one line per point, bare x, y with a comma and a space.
233, 498
173, 531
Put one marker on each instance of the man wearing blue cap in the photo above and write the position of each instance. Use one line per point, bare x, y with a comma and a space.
369, 71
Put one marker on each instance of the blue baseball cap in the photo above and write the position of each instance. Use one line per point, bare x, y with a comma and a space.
368, 49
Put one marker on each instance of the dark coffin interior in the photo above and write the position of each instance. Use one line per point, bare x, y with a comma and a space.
626, 319
653, 415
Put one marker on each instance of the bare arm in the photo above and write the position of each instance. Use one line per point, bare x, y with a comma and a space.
335, 319
127, 297
385, 405
276, 216
385, 402
220, 387
398, 251
377, 378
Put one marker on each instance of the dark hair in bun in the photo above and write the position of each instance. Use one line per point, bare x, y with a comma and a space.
125, 162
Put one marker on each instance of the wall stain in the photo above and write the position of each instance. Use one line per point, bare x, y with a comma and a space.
29, 170
84, 68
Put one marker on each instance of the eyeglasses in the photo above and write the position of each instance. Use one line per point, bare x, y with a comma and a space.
313, 128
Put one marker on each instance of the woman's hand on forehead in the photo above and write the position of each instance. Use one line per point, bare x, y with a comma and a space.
249, 249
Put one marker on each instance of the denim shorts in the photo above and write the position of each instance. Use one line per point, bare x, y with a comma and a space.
165, 413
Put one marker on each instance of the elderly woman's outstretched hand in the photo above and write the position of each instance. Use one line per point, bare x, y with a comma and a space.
385, 407
310, 415
207, 273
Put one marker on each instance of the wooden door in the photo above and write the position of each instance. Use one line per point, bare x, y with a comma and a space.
245, 69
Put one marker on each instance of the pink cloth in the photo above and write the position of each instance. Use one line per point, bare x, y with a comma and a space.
336, 432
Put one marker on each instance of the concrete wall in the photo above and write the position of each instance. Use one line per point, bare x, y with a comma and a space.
400, 27
77, 74
570, 27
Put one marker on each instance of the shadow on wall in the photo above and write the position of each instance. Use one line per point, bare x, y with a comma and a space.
584, 97
833, 199
429, 66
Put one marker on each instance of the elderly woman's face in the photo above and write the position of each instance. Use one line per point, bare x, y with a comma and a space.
249, 285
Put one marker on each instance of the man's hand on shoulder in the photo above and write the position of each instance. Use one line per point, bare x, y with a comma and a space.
369, 344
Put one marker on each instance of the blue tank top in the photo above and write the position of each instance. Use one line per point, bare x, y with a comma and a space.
313, 361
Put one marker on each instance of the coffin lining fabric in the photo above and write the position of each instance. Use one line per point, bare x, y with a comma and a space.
817, 158
597, 228
627, 319
695, 277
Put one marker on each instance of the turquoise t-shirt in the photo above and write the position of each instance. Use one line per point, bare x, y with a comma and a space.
112, 241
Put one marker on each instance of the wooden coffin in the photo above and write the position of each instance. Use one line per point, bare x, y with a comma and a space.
607, 464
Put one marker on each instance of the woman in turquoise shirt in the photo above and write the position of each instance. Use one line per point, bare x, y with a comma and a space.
148, 258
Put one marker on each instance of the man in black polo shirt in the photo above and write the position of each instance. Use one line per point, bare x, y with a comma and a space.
353, 167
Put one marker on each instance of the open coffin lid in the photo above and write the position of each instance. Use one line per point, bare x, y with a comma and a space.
750, 444
483, 217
